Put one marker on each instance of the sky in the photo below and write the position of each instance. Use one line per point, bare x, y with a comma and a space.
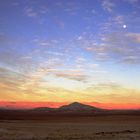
61, 51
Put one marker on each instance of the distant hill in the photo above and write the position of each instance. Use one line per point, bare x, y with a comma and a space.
70, 110
78, 107
73, 108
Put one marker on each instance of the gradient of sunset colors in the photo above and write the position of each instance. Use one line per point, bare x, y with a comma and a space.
54, 52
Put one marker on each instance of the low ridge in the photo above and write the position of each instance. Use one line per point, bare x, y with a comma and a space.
43, 109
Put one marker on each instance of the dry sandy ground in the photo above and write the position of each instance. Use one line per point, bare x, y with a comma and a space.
76, 128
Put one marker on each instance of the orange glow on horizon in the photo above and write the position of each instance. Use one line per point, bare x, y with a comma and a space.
29, 105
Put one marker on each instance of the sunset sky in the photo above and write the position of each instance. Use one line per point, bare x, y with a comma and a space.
61, 51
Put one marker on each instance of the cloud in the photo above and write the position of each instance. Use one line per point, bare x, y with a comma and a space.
112, 92
33, 86
108, 85
72, 74
131, 59
108, 5
119, 19
15, 61
114, 23
30, 12
134, 36
45, 42
78, 76
116, 46
11, 80
71, 8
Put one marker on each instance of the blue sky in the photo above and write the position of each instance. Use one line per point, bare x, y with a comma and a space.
70, 50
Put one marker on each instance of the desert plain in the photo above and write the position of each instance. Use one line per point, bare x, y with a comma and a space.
109, 127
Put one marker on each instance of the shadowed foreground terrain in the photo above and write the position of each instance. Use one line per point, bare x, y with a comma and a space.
113, 127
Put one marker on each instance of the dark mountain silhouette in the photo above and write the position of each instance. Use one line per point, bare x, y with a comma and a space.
73, 108
78, 107
70, 110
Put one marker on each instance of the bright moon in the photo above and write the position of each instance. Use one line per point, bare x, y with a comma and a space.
124, 26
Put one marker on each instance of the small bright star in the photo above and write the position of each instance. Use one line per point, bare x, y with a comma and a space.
124, 26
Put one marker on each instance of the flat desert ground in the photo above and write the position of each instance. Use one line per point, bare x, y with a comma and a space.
72, 128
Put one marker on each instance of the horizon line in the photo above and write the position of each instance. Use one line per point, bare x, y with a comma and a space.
31, 105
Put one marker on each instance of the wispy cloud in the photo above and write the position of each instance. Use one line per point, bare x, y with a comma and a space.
10, 81
113, 92
108, 5
77, 75
134, 36
117, 46
30, 12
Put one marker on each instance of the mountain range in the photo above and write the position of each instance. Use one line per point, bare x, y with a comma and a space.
73, 109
